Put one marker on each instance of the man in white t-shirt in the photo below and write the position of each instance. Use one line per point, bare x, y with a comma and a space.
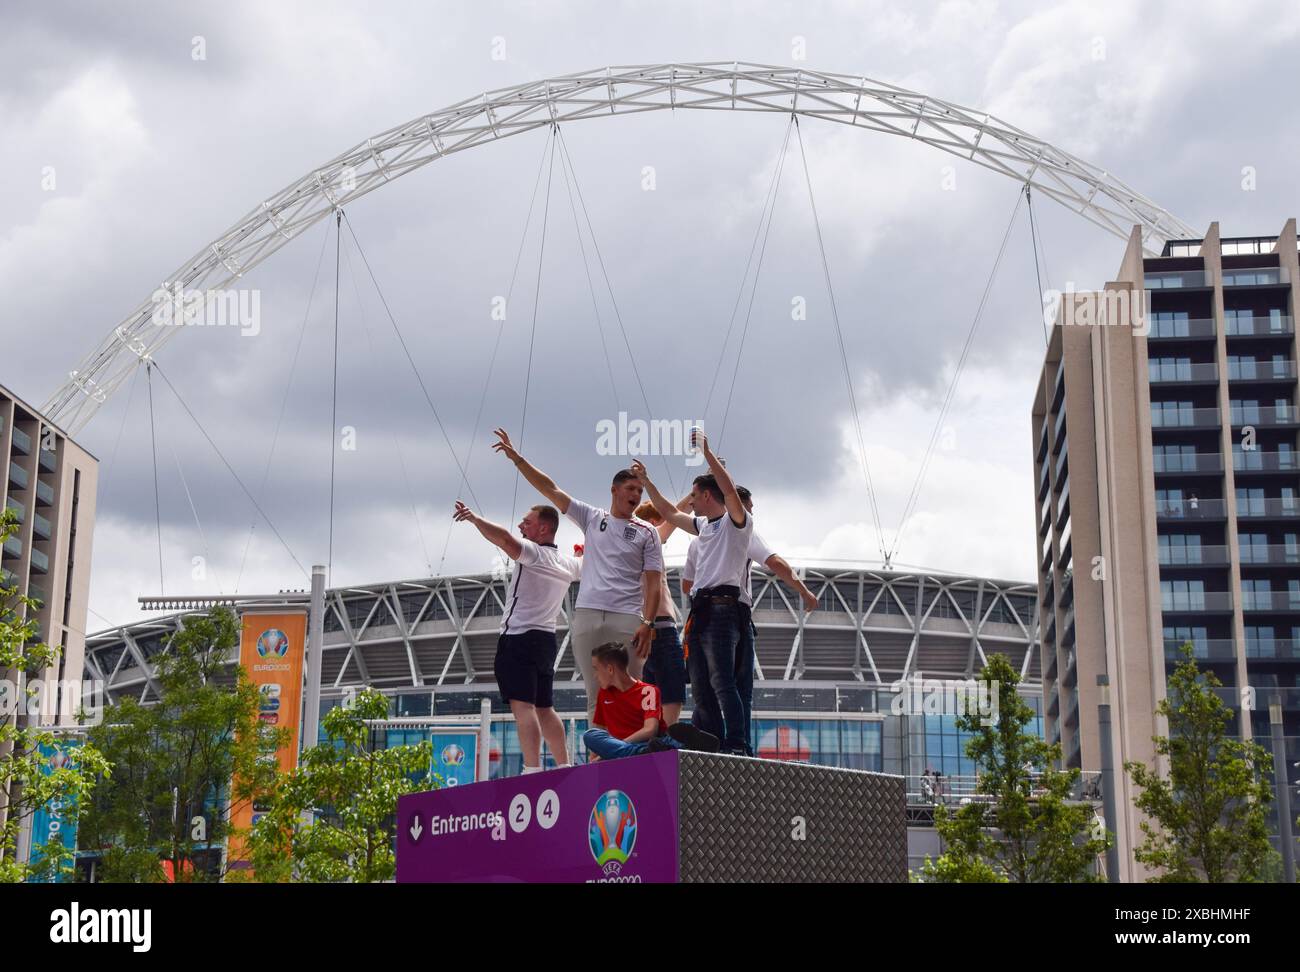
622, 567
526, 649
759, 553
724, 528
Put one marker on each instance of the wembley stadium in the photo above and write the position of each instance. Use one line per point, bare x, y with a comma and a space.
827, 689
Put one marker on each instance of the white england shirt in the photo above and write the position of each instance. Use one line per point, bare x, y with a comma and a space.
616, 552
538, 584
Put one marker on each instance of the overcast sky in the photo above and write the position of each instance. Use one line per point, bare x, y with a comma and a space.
154, 153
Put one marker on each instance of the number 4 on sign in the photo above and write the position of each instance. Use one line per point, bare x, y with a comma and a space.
548, 809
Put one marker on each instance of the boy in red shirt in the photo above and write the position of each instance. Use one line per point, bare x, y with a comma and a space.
629, 716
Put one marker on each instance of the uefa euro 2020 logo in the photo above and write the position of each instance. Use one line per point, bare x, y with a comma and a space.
273, 642
612, 830
453, 755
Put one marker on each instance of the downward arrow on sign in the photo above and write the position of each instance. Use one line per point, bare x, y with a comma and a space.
416, 829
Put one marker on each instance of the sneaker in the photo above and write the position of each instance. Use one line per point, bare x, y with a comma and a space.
694, 739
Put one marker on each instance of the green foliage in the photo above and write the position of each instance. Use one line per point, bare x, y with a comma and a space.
1022, 826
25, 787
1207, 817
350, 789
170, 797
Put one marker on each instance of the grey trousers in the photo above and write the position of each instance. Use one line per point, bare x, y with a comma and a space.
592, 628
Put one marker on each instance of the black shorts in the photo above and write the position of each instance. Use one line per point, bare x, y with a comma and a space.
525, 667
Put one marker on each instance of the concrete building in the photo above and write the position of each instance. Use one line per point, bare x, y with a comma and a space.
1164, 438
49, 483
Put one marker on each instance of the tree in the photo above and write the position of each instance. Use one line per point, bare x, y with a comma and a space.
350, 788
1207, 819
1023, 826
171, 794
25, 785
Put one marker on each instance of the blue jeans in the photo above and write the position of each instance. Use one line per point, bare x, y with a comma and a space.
600, 742
745, 661
666, 668
715, 639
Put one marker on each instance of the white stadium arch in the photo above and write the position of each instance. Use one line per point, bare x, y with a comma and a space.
849, 99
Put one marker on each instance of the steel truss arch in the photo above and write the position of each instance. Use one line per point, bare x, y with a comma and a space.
853, 100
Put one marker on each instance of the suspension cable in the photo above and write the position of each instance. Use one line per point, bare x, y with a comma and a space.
532, 336
397, 445
844, 357
753, 292
334, 394
496, 346
618, 315
229, 468
157, 505
753, 247
591, 286
411, 360
1033, 237
203, 537
284, 400
915, 495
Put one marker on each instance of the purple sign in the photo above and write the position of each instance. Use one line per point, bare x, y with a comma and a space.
615, 820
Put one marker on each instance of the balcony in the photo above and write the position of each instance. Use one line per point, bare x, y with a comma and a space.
1176, 280
1062, 464
18, 477
1279, 508
44, 494
1188, 509
20, 511
40, 562
1181, 329
1182, 462
1049, 673
39, 593
1275, 326
1067, 589
1043, 482
1269, 648
1253, 460
1176, 602
1053, 702
1270, 600
1264, 415
1058, 432
1196, 556
1259, 554
40, 527
1256, 277
1071, 673
22, 442
1203, 649
1063, 505
1183, 417
1058, 386
1070, 719
1251, 369
49, 462
1183, 372
13, 547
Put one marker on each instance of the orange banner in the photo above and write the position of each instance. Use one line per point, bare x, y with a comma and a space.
271, 649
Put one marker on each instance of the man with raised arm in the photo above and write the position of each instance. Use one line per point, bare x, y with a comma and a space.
724, 528
759, 553
622, 567
526, 650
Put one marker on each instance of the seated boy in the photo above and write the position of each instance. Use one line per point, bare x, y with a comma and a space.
629, 717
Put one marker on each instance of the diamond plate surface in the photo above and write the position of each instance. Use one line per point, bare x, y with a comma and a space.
740, 821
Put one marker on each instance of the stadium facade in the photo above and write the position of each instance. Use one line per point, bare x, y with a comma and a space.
830, 688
